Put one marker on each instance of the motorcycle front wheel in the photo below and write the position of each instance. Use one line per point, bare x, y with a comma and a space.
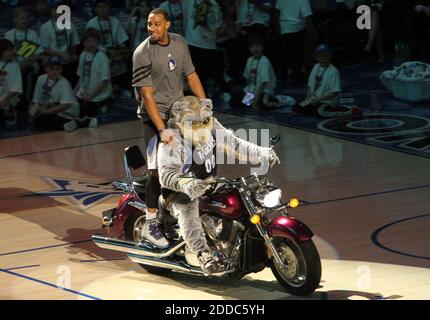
133, 232
300, 272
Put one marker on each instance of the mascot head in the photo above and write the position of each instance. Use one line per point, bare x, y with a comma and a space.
193, 118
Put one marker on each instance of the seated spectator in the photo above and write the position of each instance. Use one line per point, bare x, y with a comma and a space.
136, 27
94, 88
54, 105
323, 85
259, 92
62, 43
27, 51
10, 83
176, 14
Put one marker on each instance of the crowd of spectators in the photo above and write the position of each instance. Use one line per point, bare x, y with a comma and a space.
66, 78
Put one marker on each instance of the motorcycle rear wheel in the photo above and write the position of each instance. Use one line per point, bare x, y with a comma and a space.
133, 231
301, 273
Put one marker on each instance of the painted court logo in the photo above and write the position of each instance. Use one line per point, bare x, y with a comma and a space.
84, 193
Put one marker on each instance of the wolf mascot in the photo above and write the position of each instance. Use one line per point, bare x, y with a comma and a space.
194, 150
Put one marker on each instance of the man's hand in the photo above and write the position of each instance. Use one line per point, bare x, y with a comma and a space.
195, 189
166, 135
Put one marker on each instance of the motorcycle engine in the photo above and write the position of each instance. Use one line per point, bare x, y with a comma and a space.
221, 235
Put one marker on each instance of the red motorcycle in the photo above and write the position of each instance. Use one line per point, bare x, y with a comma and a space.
246, 225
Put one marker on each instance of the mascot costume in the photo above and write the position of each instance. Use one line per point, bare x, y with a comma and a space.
194, 150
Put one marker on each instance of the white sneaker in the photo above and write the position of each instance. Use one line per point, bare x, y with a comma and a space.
93, 123
153, 234
70, 126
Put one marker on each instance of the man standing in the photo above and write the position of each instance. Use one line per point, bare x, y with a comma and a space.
160, 64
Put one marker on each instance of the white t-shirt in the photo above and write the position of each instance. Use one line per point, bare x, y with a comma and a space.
112, 33
258, 71
138, 31
293, 14
176, 14
330, 81
10, 78
196, 34
18, 36
58, 40
53, 92
92, 70
249, 14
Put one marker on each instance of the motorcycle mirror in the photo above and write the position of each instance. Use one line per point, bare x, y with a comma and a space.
274, 140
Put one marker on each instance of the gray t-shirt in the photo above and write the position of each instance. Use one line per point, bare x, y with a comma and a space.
164, 68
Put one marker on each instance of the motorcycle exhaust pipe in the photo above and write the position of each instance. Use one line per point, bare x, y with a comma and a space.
174, 265
135, 248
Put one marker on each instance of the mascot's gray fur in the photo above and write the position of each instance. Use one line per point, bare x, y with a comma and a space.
196, 127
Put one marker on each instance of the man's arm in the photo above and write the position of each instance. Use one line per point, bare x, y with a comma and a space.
195, 85
147, 93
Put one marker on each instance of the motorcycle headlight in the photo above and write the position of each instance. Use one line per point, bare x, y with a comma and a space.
269, 198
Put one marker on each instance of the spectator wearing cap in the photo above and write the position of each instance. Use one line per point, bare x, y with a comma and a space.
323, 84
94, 88
54, 105
10, 83
60, 42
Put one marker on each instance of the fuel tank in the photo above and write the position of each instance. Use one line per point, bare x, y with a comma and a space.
226, 203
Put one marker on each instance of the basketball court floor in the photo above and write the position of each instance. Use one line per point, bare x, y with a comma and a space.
367, 206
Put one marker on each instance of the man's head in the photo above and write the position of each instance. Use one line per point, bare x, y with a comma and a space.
256, 46
102, 8
193, 118
6, 50
323, 54
91, 39
54, 67
158, 25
